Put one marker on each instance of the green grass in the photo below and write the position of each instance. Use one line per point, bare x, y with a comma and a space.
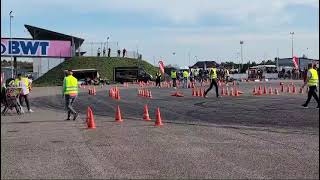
104, 65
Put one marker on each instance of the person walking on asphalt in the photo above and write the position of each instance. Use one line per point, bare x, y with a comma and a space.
23, 82
174, 78
185, 78
70, 92
158, 79
312, 81
213, 77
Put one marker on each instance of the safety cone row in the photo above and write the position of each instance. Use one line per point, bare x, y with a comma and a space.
145, 93
125, 84
146, 117
92, 91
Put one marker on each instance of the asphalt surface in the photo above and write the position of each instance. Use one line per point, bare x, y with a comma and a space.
268, 136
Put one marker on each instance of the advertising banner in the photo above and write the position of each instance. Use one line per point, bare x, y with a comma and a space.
35, 48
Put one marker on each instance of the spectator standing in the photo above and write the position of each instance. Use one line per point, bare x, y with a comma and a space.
99, 52
109, 51
185, 78
158, 79
118, 53
124, 51
104, 51
174, 78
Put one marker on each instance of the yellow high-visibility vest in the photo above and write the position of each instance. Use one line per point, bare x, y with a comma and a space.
185, 74
313, 81
213, 73
173, 74
18, 83
70, 85
158, 74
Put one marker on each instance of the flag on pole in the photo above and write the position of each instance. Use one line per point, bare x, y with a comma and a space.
161, 66
295, 61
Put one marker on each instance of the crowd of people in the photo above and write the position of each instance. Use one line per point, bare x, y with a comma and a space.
201, 75
124, 52
21, 86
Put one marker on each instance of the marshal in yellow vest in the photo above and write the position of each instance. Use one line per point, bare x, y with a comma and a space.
70, 85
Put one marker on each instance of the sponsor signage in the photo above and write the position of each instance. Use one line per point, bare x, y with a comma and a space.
35, 48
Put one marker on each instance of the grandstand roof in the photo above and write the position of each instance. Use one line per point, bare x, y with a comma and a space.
44, 34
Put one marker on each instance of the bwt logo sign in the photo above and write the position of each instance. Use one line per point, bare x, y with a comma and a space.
25, 47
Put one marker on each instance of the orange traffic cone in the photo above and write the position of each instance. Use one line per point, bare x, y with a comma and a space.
254, 90
270, 90
118, 115
93, 92
293, 89
193, 92
150, 95
301, 90
201, 92
145, 93
118, 95
231, 92
264, 89
222, 91
158, 119
226, 91
236, 92
146, 116
91, 124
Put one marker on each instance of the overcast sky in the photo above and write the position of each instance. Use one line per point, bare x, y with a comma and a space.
207, 29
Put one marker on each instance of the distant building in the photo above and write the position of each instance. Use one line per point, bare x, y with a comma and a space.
204, 65
303, 62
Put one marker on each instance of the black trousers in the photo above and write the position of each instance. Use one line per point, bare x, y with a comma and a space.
213, 83
174, 82
158, 82
312, 92
26, 99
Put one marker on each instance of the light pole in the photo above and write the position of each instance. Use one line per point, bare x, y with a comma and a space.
10, 48
241, 43
292, 33
189, 58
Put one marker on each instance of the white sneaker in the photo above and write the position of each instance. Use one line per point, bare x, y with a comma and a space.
30, 111
22, 111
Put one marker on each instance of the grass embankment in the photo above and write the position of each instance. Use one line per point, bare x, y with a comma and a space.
104, 65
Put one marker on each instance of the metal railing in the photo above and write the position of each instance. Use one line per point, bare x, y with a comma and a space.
92, 49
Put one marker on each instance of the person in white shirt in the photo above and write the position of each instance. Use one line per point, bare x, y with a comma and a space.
23, 82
